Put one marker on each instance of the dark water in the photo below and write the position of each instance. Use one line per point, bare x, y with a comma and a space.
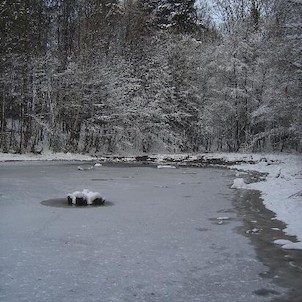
261, 227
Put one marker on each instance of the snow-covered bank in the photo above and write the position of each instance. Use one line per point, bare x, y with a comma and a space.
44, 156
281, 189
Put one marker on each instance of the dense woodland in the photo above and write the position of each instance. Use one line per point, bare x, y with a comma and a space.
150, 75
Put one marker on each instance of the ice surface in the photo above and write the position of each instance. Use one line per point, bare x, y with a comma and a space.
281, 190
158, 242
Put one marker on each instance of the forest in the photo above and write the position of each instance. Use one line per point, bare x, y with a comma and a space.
110, 76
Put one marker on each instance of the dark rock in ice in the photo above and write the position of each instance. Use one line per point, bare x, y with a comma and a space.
81, 201
69, 200
98, 201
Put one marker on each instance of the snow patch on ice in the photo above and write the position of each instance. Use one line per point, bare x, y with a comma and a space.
289, 245
282, 241
239, 183
165, 167
293, 246
223, 218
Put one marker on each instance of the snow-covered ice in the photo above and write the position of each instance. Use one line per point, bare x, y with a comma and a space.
282, 241
223, 218
289, 245
166, 167
239, 183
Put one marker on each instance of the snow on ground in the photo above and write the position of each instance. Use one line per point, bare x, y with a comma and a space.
239, 184
44, 156
281, 189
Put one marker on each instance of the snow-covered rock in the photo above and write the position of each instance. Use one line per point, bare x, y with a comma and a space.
93, 197
85, 198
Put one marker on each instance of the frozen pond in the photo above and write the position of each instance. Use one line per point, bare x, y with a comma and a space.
165, 235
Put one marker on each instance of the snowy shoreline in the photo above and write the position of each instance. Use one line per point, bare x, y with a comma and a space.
281, 190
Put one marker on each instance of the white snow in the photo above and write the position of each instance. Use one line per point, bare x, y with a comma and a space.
282, 241
239, 183
276, 229
86, 195
223, 218
288, 245
47, 156
165, 167
75, 195
293, 246
91, 196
